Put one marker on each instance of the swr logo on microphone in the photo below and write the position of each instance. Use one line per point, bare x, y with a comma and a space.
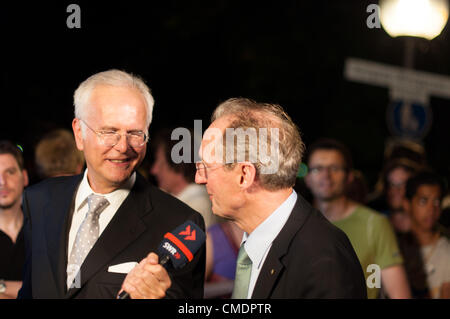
171, 250
189, 235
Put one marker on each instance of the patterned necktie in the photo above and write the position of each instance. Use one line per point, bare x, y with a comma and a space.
243, 272
86, 237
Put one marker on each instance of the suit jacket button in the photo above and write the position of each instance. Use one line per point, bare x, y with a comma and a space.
272, 271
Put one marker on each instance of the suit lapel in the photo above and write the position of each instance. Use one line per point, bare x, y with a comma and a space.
124, 228
57, 214
273, 265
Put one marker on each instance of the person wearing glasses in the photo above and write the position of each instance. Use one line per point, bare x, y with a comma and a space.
372, 236
288, 249
85, 233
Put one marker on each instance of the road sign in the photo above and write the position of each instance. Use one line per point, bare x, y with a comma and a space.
409, 114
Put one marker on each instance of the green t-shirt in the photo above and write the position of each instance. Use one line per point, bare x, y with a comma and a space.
373, 239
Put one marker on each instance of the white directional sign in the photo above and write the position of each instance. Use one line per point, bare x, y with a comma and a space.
404, 84
409, 114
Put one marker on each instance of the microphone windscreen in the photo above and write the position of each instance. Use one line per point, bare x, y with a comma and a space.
182, 243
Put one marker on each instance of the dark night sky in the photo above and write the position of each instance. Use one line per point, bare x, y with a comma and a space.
194, 55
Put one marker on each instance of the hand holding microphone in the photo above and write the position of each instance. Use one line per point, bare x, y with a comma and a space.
149, 279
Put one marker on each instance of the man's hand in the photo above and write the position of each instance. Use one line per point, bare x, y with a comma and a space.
148, 280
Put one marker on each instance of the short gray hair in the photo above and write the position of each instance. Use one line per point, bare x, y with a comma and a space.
245, 113
114, 78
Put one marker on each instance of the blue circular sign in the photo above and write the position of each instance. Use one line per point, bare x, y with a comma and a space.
409, 119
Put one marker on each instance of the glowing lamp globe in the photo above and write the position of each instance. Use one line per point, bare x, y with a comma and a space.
416, 18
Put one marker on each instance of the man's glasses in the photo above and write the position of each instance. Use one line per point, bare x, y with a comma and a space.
331, 169
202, 169
396, 184
111, 138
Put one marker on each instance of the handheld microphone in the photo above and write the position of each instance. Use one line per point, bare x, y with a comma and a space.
179, 247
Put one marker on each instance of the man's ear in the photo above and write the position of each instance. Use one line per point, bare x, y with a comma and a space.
25, 177
247, 174
307, 180
350, 177
76, 126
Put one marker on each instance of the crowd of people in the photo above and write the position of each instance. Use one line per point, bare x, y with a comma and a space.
377, 232
277, 235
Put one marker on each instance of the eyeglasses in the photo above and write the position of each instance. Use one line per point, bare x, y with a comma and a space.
111, 138
396, 184
201, 169
332, 169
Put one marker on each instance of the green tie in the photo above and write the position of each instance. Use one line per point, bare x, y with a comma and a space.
243, 272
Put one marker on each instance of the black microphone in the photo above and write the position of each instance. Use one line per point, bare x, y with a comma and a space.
179, 247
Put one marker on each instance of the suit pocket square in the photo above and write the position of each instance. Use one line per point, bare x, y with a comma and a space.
124, 268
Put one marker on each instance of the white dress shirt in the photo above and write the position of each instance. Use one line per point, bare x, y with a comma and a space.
258, 243
115, 199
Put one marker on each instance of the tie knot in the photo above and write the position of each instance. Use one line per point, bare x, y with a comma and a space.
97, 203
243, 258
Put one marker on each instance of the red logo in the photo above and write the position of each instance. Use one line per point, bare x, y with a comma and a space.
189, 235
177, 255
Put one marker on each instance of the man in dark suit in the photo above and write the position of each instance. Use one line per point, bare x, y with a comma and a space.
250, 157
85, 233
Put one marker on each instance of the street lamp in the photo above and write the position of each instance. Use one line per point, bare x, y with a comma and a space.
416, 18
412, 19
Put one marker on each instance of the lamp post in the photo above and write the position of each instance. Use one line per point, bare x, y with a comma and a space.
412, 19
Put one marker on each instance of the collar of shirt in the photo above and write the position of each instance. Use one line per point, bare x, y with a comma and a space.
114, 198
260, 240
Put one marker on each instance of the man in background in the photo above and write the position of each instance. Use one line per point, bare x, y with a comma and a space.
330, 166
425, 247
177, 179
13, 179
56, 154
